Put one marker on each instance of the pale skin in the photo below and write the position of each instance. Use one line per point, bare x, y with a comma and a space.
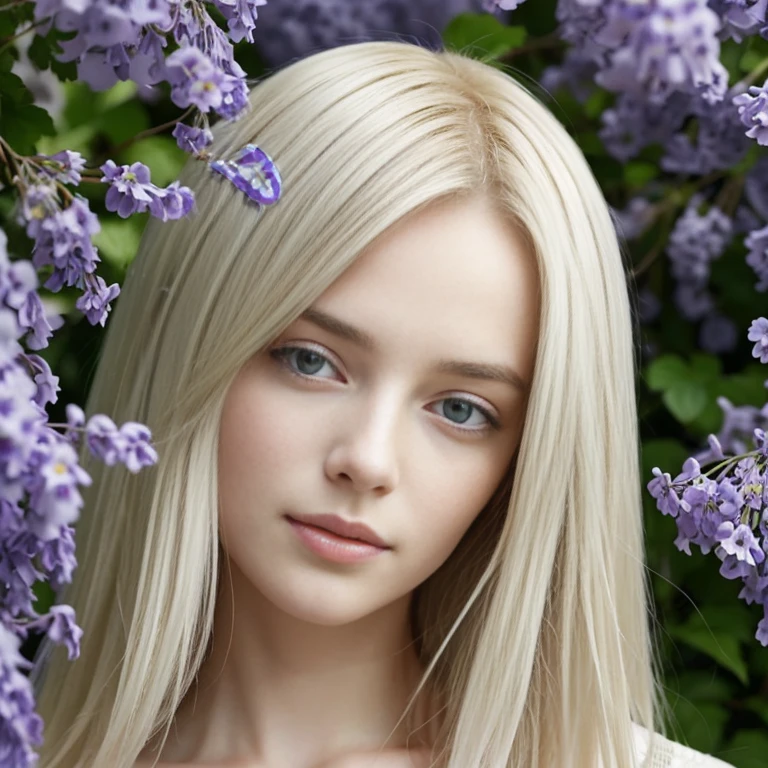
321, 663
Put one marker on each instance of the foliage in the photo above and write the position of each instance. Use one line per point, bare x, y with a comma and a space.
683, 166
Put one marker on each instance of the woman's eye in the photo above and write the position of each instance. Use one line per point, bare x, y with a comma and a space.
463, 409
302, 361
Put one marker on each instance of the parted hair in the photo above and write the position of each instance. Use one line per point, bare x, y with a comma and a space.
535, 632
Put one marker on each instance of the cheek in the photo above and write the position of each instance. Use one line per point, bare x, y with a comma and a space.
448, 506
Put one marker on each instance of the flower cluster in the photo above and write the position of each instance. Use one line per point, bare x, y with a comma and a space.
61, 226
40, 477
128, 41
728, 513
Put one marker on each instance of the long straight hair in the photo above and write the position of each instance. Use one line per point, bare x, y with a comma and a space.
535, 632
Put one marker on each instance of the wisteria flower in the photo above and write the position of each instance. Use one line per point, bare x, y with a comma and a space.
753, 112
740, 541
758, 332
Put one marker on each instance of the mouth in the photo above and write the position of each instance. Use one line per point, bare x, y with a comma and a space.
331, 546
344, 529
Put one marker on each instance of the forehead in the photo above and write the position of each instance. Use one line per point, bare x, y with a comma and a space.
453, 278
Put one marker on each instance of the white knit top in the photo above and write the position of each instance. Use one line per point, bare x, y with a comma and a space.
670, 754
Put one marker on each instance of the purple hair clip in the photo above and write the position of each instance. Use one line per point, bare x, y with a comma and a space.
252, 171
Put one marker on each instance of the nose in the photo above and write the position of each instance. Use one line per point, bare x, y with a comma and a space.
364, 448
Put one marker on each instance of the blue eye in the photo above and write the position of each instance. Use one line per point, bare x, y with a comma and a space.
459, 406
306, 362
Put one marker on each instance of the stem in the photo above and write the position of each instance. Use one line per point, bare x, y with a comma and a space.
668, 208
729, 460
755, 73
729, 195
7, 42
11, 6
150, 132
538, 44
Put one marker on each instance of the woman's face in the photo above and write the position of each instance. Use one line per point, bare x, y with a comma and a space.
383, 431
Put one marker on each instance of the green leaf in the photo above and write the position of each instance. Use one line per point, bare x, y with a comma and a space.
705, 367
124, 121
161, 154
703, 686
758, 705
41, 51
23, 125
639, 173
685, 400
119, 238
702, 724
666, 371
721, 646
482, 36
747, 749
666, 454
750, 60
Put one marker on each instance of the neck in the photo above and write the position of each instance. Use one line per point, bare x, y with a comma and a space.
275, 690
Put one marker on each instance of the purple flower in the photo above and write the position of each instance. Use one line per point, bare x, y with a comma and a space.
22, 726
753, 112
131, 191
501, 5
720, 141
718, 334
241, 17
47, 383
740, 541
194, 79
662, 46
129, 188
757, 258
287, 31
63, 239
667, 499
173, 202
192, 139
696, 240
634, 123
64, 166
95, 301
758, 332
740, 18
762, 628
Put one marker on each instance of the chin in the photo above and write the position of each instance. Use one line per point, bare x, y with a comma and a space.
317, 600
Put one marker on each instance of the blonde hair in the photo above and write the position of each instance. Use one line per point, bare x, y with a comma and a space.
535, 631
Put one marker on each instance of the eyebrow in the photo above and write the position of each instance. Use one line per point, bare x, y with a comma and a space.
472, 370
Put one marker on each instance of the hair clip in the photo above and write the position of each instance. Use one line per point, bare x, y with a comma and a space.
252, 171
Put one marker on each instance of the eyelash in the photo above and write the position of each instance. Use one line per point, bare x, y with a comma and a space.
281, 354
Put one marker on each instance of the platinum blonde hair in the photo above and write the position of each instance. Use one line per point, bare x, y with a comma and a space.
535, 631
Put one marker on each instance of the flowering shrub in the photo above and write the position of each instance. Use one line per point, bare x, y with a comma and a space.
98, 98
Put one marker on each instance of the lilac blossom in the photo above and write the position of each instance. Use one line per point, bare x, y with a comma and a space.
757, 258
287, 31
661, 46
758, 332
192, 139
131, 191
718, 334
740, 18
633, 123
753, 112
697, 240
720, 140
241, 17
64, 166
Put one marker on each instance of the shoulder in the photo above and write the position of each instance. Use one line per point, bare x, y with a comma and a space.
670, 754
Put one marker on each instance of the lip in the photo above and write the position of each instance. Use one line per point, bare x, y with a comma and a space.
331, 546
344, 528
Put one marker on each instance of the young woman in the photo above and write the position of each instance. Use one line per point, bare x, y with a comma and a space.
396, 519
